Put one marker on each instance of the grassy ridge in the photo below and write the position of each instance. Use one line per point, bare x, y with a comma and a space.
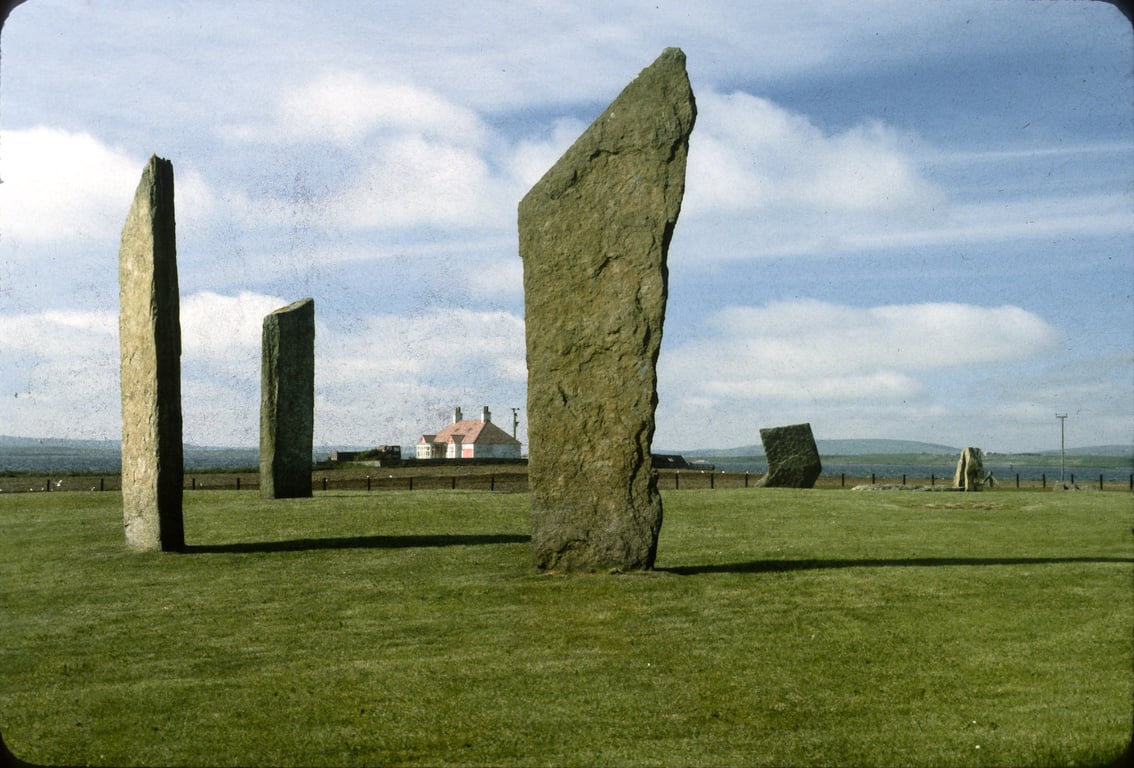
936, 459
782, 627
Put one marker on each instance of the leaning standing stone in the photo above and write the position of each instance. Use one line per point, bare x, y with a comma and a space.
149, 331
594, 234
793, 457
287, 401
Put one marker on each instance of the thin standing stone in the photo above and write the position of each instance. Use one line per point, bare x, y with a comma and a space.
150, 340
287, 401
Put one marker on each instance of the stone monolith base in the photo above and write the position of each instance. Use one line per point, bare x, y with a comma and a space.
793, 457
287, 401
150, 339
594, 233
969, 475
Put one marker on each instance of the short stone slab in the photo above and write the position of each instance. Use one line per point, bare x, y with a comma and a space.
594, 235
793, 458
149, 332
287, 401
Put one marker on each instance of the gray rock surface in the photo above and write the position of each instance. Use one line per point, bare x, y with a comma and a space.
287, 401
793, 458
594, 235
149, 328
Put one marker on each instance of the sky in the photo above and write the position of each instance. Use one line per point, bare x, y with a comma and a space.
902, 219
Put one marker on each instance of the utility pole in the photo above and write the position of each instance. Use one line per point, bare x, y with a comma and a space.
1062, 418
515, 421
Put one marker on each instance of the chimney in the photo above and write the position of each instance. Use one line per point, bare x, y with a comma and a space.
456, 414
486, 416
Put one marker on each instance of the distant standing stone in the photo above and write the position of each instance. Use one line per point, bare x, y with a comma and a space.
793, 457
149, 328
594, 234
970, 470
287, 401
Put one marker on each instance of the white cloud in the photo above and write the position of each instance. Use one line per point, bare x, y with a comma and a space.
765, 181
389, 378
61, 187
59, 372
941, 372
455, 345
215, 328
502, 278
816, 351
416, 181
408, 156
531, 158
57, 332
347, 107
748, 153
382, 379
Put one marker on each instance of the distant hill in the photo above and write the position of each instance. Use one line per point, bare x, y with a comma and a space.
29, 454
871, 447
42, 455
1124, 451
11, 441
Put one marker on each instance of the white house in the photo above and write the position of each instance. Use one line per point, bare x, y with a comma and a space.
469, 439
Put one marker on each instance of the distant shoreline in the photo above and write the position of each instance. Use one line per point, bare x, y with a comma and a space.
30, 456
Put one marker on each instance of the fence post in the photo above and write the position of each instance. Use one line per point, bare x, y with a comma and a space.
238, 482
842, 479
1072, 478
1043, 479
745, 479
1100, 482
324, 482
454, 482
872, 478
47, 485
368, 482
102, 483
492, 482
411, 482
192, 483
903, 479
677, 481
1017, 481
712, 483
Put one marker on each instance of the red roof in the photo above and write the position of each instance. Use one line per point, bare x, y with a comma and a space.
474, 431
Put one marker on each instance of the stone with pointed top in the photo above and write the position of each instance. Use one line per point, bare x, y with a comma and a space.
150, 340
969, 475
594, 235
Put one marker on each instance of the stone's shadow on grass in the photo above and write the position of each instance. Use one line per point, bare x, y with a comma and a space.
776, 566
357, 542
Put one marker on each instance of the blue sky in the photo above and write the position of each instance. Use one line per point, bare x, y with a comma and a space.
910, 220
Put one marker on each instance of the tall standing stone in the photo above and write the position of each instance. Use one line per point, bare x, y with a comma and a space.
287, 401
793, 457
969, 475
149, 331
594, 234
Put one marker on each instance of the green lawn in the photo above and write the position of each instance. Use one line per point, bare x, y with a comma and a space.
782, 627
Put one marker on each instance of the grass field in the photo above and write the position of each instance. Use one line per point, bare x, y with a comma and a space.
781, 627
